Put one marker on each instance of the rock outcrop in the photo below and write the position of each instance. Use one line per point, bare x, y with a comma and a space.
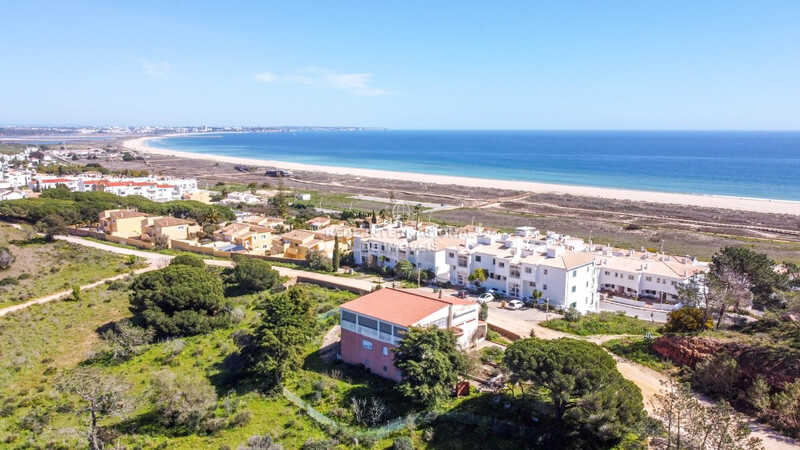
777, 365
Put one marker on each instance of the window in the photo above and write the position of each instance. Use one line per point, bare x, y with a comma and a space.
400, 332
366, 344
574, 273
531, 284
514, 271
630, 277
385, 353
367, 322
648, 278
451, 254
462, 261
544, 287
347, 316
477, 258
573, 288
607, 272
545, 271
386, 328
514, 290
502, 264
528, 270
385, 369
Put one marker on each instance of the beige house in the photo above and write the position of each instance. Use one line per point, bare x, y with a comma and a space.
123, 223
318, 222
171, 228
296, 244
263, 221
199, 196
256, 239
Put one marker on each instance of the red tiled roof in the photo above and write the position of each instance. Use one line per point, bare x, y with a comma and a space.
167, 186
58, 180
395, 306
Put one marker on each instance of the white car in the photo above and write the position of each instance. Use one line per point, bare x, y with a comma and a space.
485, 298
514, 304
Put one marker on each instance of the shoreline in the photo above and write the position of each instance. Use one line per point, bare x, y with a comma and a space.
707, 201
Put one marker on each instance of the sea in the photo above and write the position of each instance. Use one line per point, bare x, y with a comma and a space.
726, 163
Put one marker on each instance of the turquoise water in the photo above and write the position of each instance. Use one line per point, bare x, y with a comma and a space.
739, 164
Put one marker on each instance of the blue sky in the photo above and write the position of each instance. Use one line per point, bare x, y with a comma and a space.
404, 64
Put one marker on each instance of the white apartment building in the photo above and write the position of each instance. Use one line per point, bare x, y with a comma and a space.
518, 267
386, 246
635, 274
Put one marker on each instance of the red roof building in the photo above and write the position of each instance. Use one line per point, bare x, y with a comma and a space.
374, 324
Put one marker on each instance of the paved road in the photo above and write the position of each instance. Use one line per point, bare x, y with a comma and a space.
642, 313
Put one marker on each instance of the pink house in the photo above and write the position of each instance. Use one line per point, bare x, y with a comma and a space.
375, 324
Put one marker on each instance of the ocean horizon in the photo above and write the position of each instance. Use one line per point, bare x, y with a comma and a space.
751, 164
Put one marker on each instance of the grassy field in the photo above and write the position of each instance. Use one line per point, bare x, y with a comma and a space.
676, 242
638, 350
603, 323
41, 268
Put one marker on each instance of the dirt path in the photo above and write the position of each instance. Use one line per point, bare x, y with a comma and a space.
63, 294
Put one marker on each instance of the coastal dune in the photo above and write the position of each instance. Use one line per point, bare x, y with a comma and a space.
709, 201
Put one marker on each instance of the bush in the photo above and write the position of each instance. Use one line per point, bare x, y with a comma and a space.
9, 281
321, 444
241, 418
24, 276
491, 355
686, 320
319, 261
188, 260
180, 400
254, 275
6, 258
179, 301
403, 443
572, 315
368, 441
717, 375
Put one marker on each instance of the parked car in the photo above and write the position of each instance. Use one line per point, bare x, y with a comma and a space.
462, 293
514, 304
485, 298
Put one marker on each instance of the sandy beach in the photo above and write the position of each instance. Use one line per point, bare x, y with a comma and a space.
712, 201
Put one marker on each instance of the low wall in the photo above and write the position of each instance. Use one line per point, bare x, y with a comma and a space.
189, 246
84, 232
643, 305
330, 285
505, 333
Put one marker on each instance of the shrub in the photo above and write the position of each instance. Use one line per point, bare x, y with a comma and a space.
179, 300
368, 441
6, 258
180, 400
686, 320
24, 276
319, 261
717, 375
491, 355
572, 315
403, 443
321, 444
9, 281
254, 275
241, 418
213, 425
188, 260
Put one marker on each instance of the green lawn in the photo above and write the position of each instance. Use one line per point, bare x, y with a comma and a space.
638, 350
603, 323
41, 268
